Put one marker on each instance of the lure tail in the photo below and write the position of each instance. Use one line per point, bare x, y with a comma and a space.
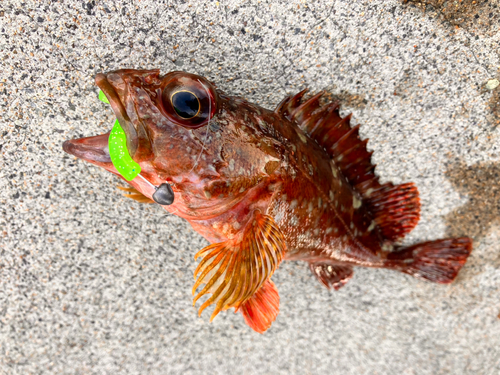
436, 261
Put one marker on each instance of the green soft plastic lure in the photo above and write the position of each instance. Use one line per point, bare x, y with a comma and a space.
119, 155
118, 152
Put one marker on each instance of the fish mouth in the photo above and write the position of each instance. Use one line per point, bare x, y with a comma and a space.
92, 149
107, 84
95, 149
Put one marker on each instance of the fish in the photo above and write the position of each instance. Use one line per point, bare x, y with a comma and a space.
263, 186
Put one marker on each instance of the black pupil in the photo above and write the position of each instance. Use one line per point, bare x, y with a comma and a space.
186, 104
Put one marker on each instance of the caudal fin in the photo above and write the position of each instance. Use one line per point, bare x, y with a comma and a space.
436, 261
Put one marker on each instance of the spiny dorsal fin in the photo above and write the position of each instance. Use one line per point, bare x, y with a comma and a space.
135, 195
234, 270
396, 209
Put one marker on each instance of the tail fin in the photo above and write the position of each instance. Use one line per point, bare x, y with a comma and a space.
436, 261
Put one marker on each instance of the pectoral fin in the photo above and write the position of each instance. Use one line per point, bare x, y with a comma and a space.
233, 271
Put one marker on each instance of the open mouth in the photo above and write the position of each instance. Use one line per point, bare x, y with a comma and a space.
95, 149
92, 149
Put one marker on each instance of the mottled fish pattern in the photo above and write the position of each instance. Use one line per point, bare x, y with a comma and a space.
262, 186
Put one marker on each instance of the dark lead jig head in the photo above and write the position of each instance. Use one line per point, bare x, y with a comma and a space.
164, 195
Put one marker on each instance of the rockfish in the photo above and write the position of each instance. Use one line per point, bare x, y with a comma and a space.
262, 186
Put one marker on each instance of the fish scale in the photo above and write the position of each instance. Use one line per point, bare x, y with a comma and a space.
262, 186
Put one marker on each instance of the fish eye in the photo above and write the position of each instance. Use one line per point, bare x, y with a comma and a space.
187, 100
186, 104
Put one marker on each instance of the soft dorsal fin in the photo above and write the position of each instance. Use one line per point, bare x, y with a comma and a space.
396, 209
235, 270
135, 195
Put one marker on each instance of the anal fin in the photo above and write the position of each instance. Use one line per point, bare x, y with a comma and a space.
260, 310
331, 275
396, 209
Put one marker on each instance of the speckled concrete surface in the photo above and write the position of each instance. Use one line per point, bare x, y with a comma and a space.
93, 283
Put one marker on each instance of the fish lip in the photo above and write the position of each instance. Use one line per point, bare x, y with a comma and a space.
92, 149
108, 89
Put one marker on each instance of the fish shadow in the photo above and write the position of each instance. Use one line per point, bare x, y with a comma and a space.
481, 184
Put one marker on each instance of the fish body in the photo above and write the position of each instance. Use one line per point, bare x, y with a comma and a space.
262, 186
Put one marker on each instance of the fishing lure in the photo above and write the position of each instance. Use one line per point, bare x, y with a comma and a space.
126, 166
261, 186
119, 155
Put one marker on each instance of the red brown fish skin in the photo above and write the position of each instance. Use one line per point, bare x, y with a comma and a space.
248, 159
251, 149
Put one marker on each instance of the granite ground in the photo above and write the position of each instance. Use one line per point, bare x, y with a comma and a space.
94, 283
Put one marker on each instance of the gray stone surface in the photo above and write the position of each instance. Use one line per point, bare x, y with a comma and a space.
93, 283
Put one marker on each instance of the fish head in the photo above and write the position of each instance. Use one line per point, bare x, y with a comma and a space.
182, 130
